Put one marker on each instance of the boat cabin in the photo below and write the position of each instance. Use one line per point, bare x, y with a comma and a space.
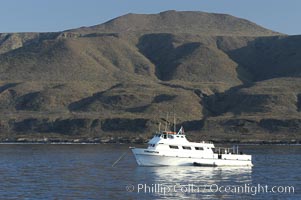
169, 140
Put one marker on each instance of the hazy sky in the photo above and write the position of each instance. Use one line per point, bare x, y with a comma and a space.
57, 15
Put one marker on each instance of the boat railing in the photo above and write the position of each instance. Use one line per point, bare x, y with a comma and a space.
207, 142
222, 150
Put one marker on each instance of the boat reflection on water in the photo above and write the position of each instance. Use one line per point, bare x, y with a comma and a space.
193, 182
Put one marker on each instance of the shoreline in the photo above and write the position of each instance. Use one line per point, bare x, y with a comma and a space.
140, 140
141, 143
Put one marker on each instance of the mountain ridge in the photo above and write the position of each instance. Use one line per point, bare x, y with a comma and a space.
226, 78
180, 22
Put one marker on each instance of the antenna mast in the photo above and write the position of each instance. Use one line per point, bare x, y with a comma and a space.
174, 122
159, 127
166, 122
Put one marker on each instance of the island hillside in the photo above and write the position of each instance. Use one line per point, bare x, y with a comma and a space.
227, 79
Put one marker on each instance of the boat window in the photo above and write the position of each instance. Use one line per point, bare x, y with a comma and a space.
199, 148
173, 147
186, 148
170, 136
178, 136
182, 136
164, 136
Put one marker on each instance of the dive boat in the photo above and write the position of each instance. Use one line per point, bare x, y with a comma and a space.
168, 148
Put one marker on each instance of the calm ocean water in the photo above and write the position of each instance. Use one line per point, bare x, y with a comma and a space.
86, 172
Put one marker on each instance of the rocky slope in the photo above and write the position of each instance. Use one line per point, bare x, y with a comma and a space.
226, 78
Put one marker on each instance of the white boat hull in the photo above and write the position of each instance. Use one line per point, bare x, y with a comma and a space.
147, 159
